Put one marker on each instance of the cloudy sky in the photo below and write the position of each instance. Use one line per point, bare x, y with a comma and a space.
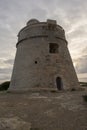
70, 14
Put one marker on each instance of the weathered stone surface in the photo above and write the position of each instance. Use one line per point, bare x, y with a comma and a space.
14, 123
43, 111
35, 66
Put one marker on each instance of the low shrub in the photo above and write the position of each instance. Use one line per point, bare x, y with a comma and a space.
85, 98
4, 86
84, 84
34, 129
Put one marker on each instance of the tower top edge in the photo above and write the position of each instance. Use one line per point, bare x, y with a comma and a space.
32, 21
35, 22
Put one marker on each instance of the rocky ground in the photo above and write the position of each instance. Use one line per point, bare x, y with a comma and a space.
43, 110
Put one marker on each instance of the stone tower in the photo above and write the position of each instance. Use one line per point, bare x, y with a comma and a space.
42, 60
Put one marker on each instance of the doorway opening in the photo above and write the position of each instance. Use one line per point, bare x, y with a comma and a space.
59, 83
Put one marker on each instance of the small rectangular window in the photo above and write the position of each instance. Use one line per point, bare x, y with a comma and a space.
53, 47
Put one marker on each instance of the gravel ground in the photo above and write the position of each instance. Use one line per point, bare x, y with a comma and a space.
43, 111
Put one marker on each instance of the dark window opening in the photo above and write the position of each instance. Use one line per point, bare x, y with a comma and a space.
50, 27
59, 83
53, 48
35, 62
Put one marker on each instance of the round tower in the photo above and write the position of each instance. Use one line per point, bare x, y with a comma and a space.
42, 59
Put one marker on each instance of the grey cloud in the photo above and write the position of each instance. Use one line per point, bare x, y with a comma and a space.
81, 66
5, 74
38, 13
4, 77
9, 61
79, 32
5, 70
15, 13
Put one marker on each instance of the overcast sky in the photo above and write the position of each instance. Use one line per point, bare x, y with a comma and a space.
70, 14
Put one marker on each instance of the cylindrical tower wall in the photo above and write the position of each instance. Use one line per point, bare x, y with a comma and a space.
42, 56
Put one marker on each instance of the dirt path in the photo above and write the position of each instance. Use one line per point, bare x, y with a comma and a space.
43, 111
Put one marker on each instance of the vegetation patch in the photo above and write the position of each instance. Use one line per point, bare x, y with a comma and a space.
34, 129
84, 84
4, 86
85, 98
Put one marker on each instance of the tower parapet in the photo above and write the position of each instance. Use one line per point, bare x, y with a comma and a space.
37, 29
